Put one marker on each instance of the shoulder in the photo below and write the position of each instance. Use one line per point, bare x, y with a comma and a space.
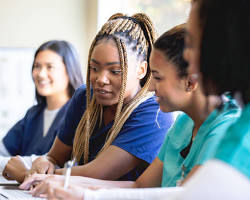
180, 130
80, 92
35, 110
183, 118
226, 115
182, 122
79, 98
231, 107
147, 106
149, 111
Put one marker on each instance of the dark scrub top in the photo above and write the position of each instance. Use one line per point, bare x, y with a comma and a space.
140, 134
26, 136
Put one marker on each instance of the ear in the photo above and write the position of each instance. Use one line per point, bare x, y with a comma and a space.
191, 82
142, 70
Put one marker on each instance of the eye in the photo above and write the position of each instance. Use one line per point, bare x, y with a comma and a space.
50, 67
36, 66
157, 78
92, 68
116, 72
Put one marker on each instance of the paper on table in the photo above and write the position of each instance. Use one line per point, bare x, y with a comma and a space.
13, 193
4, 181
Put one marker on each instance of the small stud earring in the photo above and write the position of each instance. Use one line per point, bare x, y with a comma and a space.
188, 89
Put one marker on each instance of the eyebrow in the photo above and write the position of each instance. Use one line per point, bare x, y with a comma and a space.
47, 63
106, 64
154, 72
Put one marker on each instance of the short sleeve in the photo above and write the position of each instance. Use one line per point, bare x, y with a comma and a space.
13, 139
76, 108
142, 134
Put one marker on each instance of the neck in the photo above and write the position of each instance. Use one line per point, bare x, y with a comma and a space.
56, 101
199, 109
132, 96
109, 112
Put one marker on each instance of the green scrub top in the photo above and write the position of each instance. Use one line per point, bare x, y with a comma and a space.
234, 149
175, 167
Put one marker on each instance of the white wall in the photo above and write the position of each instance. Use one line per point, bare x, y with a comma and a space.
29, 23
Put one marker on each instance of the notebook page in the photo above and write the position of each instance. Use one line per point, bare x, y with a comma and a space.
4, 181
13, 193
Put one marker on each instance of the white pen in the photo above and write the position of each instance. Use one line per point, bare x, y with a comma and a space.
68, 165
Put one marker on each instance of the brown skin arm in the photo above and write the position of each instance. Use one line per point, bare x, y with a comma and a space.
152, 176
58, 154
15, 169
110, 165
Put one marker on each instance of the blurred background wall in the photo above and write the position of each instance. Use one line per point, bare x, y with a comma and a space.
26, 24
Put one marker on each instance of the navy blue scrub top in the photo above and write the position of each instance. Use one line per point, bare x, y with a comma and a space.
140, 134
26, 136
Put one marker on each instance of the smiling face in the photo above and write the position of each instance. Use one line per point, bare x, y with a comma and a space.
169, 87
49, 74
106, 74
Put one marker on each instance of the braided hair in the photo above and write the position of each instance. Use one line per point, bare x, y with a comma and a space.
138, 33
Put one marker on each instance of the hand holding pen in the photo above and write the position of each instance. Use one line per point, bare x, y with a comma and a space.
68, 165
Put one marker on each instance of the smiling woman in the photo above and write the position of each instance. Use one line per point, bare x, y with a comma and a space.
56, 73
111, 126
50, 77
106, 70
190, 142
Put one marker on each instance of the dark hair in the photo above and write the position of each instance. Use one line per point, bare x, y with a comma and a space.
171, 43
136, 32
225, 45
70, 60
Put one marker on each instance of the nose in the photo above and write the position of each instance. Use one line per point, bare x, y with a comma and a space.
41, 72
151, 85
102, 79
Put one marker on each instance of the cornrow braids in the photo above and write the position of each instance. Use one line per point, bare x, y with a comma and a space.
138, 34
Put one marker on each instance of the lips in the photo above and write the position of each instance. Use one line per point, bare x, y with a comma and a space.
43, 83
102, 92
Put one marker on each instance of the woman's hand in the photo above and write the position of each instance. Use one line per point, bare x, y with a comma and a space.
33, 180
58, 192
15, 169
50, 186
42, 165
45, 186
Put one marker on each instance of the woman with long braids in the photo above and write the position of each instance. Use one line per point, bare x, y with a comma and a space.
190, 142
113, 128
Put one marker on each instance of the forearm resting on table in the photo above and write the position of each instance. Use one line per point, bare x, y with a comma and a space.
98, 183
27, 160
